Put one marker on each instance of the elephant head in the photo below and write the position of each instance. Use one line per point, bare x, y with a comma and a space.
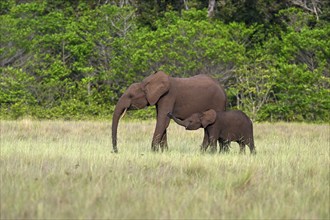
196, 120
138, 96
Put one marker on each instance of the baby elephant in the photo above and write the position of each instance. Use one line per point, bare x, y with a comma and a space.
224, 126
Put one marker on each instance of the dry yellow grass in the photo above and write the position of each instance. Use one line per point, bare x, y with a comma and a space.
64, 169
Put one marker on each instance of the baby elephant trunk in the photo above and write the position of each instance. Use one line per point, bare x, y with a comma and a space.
178, 121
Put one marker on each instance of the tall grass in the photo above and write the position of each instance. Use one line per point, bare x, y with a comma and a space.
65, 169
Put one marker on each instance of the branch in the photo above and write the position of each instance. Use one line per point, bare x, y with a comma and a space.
303, 4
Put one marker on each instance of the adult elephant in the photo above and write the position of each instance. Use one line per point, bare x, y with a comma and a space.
180, 96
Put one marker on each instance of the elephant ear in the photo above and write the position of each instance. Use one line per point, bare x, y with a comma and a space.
208, 117
155, 86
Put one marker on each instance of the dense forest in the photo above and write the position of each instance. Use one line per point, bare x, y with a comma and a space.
73, 59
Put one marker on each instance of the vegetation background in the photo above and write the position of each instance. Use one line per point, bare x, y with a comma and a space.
73, 59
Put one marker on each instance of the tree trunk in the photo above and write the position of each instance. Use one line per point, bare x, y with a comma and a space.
211, 8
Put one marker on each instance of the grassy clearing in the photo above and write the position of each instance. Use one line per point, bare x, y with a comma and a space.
64, 169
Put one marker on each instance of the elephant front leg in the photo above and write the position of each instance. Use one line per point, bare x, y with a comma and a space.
160, 135
159, 140
213, 144
155, 142
206, 141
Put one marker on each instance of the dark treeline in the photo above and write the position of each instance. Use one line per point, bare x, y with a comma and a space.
73, 59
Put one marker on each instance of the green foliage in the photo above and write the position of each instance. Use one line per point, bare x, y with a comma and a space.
16, 92
302, 85
62, 59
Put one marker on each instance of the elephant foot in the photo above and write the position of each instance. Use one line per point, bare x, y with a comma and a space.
213, 149
163, 145
164, 148
253, 152
224, 149
203, 148
242, 149
154, 148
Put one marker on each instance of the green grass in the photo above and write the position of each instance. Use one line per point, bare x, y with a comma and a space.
65, 169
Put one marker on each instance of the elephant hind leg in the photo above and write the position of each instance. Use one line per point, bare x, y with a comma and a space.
224, 146
252, 147
206, 141
220, 145
241, 147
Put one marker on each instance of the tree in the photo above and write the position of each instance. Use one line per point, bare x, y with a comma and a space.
312, 6
302, 83
211, 8
77, 57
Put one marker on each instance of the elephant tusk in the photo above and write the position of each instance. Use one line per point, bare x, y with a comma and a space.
123, 114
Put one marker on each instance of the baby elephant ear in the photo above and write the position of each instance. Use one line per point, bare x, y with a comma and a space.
208, 117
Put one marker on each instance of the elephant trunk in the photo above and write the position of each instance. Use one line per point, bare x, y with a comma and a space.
120, 110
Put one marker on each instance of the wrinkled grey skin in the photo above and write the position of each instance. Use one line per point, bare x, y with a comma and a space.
225, 126
182, 96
